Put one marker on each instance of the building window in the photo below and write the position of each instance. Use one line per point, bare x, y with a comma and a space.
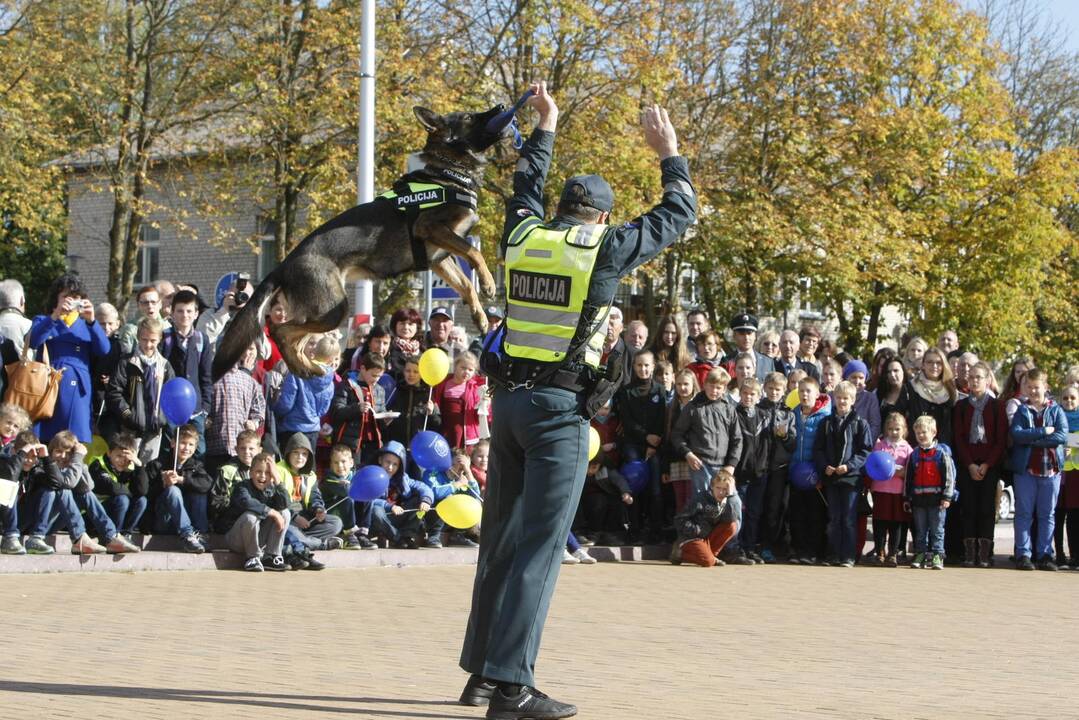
147, 258
265, 229
806, 306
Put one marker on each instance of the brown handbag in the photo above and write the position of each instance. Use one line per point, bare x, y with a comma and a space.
32, 385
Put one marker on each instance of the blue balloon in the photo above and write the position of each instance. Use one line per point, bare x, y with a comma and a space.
803, 476
880, 466
431, 451
368, 483
179, 400
636, 474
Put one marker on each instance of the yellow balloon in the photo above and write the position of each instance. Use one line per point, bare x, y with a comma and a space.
460, 511
97, 448
434, 366
792, 399
593, 443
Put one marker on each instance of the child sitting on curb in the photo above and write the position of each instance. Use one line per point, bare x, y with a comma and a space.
708, 523
260, 516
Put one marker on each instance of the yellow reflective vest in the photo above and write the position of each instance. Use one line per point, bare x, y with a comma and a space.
547, 277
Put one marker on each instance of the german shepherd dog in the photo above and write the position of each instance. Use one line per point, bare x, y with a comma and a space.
375, 240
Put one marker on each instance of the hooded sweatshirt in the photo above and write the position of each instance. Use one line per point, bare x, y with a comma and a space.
301, 484
403, 490
806, 428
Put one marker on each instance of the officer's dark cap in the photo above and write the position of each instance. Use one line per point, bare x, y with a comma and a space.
590, 190
744, 321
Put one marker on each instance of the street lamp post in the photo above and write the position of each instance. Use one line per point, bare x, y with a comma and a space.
365, 165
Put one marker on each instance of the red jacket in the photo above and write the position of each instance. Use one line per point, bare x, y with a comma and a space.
996, 433
460, 424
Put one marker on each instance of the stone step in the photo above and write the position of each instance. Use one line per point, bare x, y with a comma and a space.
161, 552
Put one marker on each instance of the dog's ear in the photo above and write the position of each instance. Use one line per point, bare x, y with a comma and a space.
429, 118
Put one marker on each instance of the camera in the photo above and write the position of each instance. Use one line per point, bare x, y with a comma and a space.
243, 281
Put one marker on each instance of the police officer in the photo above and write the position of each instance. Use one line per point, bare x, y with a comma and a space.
561, 277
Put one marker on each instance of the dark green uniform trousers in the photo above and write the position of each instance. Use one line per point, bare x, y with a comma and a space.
538, 461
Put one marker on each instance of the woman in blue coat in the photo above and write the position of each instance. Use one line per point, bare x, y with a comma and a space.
73, 340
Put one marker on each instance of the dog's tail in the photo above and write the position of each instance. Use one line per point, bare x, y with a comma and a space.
244, 327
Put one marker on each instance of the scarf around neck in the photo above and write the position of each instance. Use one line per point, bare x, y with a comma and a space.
977, 420
933, 391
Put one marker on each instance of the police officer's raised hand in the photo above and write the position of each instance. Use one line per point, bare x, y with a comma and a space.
544, 104
658, 132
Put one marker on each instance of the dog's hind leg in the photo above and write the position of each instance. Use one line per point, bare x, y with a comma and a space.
319, 306
450, 238
448, 269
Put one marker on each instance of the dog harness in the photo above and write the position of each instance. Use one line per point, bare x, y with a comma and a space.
412, 198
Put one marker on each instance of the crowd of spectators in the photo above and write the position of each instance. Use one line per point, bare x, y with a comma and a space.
732, 444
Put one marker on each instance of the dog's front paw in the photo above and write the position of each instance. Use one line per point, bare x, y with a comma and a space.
480, 318
488, 289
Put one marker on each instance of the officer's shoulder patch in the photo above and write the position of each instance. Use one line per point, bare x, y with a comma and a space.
524, 212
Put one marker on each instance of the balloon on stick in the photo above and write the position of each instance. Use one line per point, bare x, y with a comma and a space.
431, 451
368, 483
803, 475
434, 366
178, 400
879, 466
460, 511
636, 474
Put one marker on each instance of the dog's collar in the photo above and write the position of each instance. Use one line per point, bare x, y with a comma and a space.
457, 177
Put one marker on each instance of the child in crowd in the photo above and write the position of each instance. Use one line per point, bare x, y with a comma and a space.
232, 473
708, 523
393, 516
13, 420
603, 500
840, 449
641, 407
706, 435
778, 437
238, 405
480, 456
133, 398
181, 495
677, 471
258, 517
458, 401
77, 497
929, 489
866, 405
190, 354
334, 486
314, 528
708, 356
1068, 505
458, 479
411, 399
745, 367
888, 513
831, 374
1039, 431
301, 402
665, 375
48, 487
751, 475
356, 400
807, 509
121, 484
794, 378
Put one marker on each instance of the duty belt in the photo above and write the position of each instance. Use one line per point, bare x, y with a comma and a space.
529, 374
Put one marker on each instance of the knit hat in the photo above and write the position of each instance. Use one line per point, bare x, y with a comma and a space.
855, 366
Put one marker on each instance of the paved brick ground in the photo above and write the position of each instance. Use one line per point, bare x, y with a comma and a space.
631, 640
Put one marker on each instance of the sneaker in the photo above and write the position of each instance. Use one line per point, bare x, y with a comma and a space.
890, 561
918, 562
36, 545
312, 563
296, 561
938, 562
584, 558
433, 542
829, 562
768, 557
352, 542
119, 545
720, 562
409, 542
740, 559
86, 545
366, 543
12, 545
846, 564
794, 560
585, 541
459, 539
253, 565
1022, 563
478, 691
274, 563
527, 703
812, 560
191, 544
1046, 563
676, 554
334, 543
569, 559
872, 559
755, 557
